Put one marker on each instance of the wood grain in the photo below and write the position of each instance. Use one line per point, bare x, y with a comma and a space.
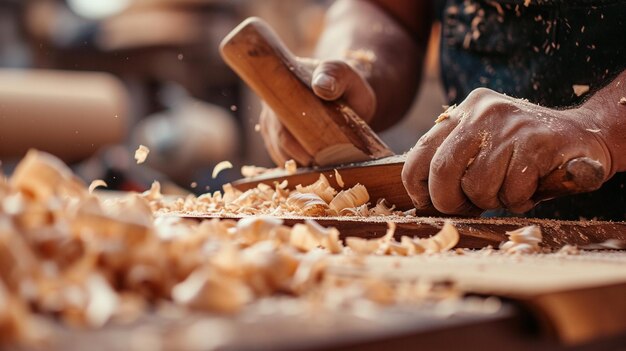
475, 233
576, 299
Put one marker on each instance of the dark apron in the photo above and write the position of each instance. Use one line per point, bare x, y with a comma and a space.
539, 52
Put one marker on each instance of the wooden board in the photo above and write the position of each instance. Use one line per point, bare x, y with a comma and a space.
576, 299
557, 320
475, 233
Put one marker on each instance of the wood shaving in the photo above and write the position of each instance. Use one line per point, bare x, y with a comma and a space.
339, 179
154, 193
569, 250
321, 187
252, 171
613, 244
446, 114
291, 167
77, 259
309, 204
524, 240
580, 89
141, 154
446, 239
350, 198
95, 184
220, 167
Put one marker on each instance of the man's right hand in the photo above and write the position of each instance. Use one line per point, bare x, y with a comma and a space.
331, 80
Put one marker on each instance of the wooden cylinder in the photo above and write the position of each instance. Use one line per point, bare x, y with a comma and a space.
68, 114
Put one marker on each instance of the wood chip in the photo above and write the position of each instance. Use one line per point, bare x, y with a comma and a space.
141, 154
339, 178
524, 240
95, 184
291, 167
622, 101
252, 171
220, 167
580, 89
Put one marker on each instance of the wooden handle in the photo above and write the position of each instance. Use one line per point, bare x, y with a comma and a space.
329, 131
579, 175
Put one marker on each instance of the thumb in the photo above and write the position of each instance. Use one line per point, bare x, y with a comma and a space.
336, 79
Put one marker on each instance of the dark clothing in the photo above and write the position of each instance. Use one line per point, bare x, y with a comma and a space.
539, 52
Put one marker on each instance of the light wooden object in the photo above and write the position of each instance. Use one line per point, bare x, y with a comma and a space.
329, 131
575, 299
476, 233
68, 114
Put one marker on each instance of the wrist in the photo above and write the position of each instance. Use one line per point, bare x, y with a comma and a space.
608, 117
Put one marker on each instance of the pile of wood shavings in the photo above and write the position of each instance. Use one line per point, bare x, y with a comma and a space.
66, 254
319, 199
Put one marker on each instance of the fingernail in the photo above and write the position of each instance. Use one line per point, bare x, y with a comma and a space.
325, 82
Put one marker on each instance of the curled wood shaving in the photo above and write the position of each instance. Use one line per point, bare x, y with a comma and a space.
141, 154
321, 187
220, 167
382, 209
95, 184
524, 240
252, 171
443, 241
89, 262
309, 204
311, 235
350, 198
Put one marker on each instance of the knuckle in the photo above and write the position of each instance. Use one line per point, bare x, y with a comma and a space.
335, 67
479, 93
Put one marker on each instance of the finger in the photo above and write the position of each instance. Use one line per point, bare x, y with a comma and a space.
336, 79
415, 173
280, 144
270, 140
447, 168
484, 176
288, 145
519, 185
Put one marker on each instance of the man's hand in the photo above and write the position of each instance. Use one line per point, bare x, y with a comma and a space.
491, 151
332, 80
372, 53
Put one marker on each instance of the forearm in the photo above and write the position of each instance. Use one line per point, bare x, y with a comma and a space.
608, 108
382, 50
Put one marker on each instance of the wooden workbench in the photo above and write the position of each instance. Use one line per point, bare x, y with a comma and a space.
548, 302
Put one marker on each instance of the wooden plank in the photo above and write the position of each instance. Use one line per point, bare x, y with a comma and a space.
577, 298
475, 233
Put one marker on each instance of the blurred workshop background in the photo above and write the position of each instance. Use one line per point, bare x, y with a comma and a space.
90, 80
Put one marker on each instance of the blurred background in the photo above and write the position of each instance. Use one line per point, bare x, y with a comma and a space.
91, 80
